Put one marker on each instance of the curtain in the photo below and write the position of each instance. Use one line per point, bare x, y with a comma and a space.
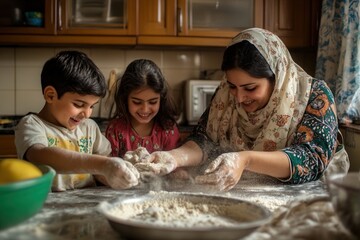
338, 55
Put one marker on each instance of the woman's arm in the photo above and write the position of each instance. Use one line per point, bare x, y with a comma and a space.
275, 164
315, 140
226, 170
189, 154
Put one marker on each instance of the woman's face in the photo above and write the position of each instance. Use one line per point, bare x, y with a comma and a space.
252, 93
143, 105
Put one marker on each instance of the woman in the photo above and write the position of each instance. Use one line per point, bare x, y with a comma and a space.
268, 116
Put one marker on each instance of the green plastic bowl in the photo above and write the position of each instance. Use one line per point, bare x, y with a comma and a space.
21, 200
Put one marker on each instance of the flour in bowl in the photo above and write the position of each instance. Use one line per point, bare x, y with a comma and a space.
180, 212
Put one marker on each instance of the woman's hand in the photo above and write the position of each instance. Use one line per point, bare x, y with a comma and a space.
120, 174
159, 163
224, 172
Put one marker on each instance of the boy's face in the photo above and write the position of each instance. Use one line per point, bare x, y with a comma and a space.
70, 109
143, 105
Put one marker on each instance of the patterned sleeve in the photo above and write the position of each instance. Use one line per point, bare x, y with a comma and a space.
315, 139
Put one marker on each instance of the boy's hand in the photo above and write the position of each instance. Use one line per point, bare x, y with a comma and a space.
120, 174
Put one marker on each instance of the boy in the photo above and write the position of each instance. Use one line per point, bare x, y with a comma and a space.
62, 136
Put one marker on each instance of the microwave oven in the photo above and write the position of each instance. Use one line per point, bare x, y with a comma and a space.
198, 94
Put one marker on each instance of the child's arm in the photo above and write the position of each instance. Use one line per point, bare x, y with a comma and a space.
119, 174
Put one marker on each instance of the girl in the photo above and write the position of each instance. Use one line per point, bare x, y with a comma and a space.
145, 114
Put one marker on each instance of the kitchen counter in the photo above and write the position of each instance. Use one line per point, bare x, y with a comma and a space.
73, 215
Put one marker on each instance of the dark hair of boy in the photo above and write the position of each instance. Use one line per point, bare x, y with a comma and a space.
73, 71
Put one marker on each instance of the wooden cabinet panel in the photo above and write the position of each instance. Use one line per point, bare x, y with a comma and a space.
7, 146
156, 17
187, 29
45, 7
67, 25
167, 22
295, 22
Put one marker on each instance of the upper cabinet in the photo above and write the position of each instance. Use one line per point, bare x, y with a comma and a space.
196, 22
295, 22
155, 22
157, 17
27, 17
96, 17
97, 22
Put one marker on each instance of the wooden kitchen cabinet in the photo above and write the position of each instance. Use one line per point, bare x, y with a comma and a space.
7, 146
157, 17
172, 22
13, 20
97, 17
196, 23
295, 22
193, 23
71, 22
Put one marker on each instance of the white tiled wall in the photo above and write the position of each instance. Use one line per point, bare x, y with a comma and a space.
20, 68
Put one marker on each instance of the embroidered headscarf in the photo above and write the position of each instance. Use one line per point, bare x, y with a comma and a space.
273, 126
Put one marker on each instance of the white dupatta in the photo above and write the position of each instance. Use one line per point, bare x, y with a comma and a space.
273, 126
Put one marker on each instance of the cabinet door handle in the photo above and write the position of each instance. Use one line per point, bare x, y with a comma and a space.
59, 16
179, 20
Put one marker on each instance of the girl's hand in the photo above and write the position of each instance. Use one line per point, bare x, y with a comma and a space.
136, 156
120, 174
159, 163
224, 172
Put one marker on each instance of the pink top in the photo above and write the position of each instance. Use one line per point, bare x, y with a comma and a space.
123, 138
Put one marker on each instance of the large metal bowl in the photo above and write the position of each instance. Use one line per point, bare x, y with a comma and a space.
245, 216
344, 191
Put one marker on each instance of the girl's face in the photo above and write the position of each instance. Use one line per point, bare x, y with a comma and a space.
252, 93
143, 105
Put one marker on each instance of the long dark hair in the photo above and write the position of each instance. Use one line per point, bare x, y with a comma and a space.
140, 73
247, 57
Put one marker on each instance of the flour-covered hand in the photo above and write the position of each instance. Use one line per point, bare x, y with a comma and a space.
138, 155
224, 172
160, 163
120, 174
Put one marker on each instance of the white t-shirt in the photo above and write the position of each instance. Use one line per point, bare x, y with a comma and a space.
86, 138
